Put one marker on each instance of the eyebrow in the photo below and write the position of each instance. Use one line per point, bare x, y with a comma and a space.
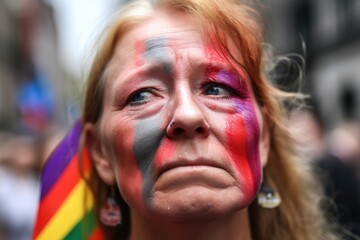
159, 66
143, 70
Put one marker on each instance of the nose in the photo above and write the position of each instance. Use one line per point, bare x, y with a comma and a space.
188, 119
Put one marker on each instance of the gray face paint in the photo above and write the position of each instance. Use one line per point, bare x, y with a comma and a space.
155, 50
148, 137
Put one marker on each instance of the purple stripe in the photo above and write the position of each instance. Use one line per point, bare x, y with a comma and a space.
59, 159
252, 129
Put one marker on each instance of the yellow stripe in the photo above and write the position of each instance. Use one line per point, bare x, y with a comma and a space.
69, 214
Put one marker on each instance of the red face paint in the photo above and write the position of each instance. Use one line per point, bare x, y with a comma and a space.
123, 142
166, 151
242, 130
240, 142
139, 49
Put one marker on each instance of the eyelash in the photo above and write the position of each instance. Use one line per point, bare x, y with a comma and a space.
205, 86
133, 103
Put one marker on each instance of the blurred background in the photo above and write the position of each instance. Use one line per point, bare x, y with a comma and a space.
46, 47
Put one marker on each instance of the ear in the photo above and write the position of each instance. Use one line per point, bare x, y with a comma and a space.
264, 142
98, 154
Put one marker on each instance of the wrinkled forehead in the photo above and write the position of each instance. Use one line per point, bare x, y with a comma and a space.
168, 29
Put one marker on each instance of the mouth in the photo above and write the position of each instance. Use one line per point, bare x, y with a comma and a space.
190, 164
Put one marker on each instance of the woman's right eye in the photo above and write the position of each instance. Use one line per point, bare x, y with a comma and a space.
140, 97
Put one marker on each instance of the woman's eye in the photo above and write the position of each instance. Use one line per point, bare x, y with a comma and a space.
140, 97
217, 90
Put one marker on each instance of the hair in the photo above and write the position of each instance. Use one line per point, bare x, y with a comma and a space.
227, 22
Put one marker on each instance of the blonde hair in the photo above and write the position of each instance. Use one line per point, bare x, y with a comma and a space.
229, 22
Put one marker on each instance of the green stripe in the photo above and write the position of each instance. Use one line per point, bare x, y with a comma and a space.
83, 228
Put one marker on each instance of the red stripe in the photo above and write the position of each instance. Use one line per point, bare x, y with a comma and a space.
237, 144
96, 234
59, 192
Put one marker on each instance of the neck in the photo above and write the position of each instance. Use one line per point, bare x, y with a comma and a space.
232, 227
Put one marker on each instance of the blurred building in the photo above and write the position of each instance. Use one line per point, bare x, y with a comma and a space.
330, 30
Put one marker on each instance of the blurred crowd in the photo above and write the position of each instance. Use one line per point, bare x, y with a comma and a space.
31, 109
21, 158
335, 156
19, 166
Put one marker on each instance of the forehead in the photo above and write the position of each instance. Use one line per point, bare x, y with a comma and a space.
170, 29
178, 32
175, 27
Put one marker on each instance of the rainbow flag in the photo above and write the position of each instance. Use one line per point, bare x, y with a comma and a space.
64, 212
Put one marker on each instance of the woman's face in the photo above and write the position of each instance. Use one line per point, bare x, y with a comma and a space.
180, 126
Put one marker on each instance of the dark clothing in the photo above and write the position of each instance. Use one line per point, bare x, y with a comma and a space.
342, 187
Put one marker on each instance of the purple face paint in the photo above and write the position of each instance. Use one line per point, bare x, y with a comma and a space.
228, 78
243, 128
247, 110
245, 107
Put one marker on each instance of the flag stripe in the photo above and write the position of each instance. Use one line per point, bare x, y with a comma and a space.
96, 234
70, 213
53, 200
55, 197
83, 228
60, 159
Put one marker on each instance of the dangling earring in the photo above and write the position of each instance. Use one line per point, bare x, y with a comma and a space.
267, 197
110, 213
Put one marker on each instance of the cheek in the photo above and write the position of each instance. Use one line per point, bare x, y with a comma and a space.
243, 135
165, 152
147, 139
128, 173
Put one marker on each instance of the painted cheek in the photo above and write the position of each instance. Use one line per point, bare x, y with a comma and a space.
130, 179
131, 182
147, 139
164, 153
237, 145
243, 143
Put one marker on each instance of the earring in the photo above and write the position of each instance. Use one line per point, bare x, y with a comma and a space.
267, 197
110, 213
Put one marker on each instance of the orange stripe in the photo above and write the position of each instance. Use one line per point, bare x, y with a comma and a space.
61, 189
71, 211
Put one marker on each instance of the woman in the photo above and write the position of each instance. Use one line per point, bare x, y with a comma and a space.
183, 129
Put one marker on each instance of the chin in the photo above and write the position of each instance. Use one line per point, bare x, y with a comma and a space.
197, 203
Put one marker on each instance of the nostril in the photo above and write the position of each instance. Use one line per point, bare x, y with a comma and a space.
200, 130
178, 131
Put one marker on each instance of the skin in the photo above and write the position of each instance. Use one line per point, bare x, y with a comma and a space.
180, 133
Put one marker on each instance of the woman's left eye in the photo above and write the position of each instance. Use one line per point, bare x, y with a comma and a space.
216, 89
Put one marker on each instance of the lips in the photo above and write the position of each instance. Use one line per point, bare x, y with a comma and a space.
190, 163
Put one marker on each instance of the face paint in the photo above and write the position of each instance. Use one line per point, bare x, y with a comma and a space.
150, 148
153, 51
156, 171
242, 130
243, 138
148, 135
